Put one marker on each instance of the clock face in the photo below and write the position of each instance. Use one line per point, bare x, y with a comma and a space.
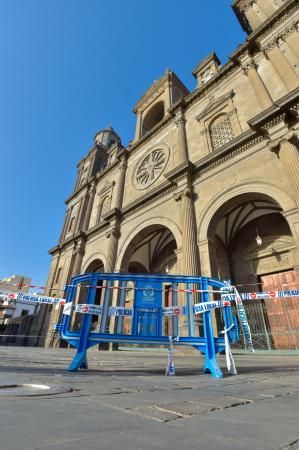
207, 75
149, 170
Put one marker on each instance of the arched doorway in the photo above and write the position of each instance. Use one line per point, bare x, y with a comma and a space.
252, 245
152, 250
96, 266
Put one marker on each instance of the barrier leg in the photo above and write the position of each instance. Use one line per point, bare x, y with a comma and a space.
211, 364
80, 359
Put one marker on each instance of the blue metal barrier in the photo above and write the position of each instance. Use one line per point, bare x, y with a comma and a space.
147, 322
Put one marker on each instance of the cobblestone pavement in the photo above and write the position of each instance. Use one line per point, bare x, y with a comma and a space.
125, 401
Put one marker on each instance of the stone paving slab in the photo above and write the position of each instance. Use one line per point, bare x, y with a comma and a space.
125, 401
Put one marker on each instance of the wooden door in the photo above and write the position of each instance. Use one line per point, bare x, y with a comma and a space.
283, 313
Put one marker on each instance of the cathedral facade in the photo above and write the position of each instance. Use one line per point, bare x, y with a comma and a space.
209, 185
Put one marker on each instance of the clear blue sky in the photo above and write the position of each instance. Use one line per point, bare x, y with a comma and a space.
68, 69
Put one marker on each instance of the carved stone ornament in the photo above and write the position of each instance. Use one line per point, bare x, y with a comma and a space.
274, 145
187, 192
150, 168
79, 247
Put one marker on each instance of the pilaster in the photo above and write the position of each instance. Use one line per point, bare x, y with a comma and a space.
121, 181
208, 263
286, 149
293, 41
65, 224
88, 207
190, 258
257, 84
292, 217
113, 235
283, 68
182, 138
78, 254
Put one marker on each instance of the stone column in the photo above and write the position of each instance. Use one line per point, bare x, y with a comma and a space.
114, 232
266, 6
65, 225
283, 68
121, 182
190, 257
292, 217
78, 257
182, 138
79, 216
88, 207
252, 17
289, 48
258, 85
138, 127
113, 236
293, 41
288, 153
208, 261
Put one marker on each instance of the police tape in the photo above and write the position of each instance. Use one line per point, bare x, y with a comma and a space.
243, 321
129, 312
174, 311
262, 295
200, 308
31, 298
166, 311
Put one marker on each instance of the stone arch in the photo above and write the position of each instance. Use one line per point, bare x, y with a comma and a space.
93, 260
143, 229
276, 193
153, 117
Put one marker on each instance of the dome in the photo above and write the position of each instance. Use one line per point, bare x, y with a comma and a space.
107, 137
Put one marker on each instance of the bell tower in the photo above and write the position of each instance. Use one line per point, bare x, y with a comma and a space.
155, 103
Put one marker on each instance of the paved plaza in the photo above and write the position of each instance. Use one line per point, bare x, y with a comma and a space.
124, 401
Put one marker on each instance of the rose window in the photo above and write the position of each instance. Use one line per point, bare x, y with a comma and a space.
151, 168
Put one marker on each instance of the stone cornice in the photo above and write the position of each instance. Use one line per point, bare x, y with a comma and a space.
223, 72
95, 229
92, 150
179, 171
80, 235
113, 213
159, 191
134, 146
259, 125
275, 113
227, 151
273, 21
214, 103
54, 250
79, 191
265, 116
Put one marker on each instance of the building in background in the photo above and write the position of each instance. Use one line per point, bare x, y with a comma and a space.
14, 313
9, 306
209, 185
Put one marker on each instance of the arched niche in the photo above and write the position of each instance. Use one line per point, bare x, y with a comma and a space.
153, 117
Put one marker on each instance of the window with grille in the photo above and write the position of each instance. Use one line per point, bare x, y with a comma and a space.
221, 131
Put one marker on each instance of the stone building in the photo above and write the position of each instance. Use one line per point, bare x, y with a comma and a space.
209, 185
